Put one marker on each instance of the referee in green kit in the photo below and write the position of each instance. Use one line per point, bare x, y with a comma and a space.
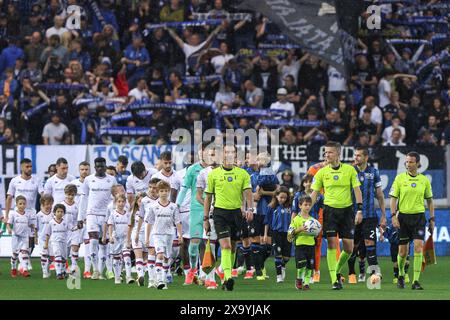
338, 180
228, 183
410, 190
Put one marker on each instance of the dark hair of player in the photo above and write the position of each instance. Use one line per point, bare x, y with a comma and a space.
70, 188
304, 199
154, 181
364, 150
61, 161
46, 198
25, 160
99, 159
111, 168
163, 185
166, 155
18, 198
59, 206
274, 203
84, 163
333, 144
137, 168
123, 160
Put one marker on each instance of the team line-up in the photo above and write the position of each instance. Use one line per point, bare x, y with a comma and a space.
159, 219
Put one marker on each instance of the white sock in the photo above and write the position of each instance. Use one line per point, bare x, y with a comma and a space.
117, 264
94, 250
59, 265
73, 260
166, 268
212, 275
102, 255
127, 261
44, 263
140, 267
151, 268
23, 258
109, 258
14, 261
159, 270
87, 257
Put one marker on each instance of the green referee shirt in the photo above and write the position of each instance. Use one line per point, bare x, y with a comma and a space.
337, 184
227, 187
411, 192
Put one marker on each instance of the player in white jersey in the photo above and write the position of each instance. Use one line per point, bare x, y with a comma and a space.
150, 198
104, 254
202, 182
21, 224
169, 175
74, 238
119, 222
56, 184
84, 169
28, 186
138, 181
93, 208
184, 212
138, 238
160, 219
43, 217
57, 233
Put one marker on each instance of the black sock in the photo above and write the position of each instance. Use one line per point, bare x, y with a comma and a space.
248, 257
372, 255
239, 257
257, 258
351, 264
362, 266
278, 265
395, 272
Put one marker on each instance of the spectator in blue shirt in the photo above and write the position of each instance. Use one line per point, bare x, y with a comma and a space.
77, 53
137, 58
10, 54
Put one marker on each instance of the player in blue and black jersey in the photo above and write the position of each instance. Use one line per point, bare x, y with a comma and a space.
366, 231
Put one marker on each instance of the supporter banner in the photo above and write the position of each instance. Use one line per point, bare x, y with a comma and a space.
62, 86
184, 24
98, 14
237, 16
442, 7
407, 41
390, 161
441, 238
429, 63
128, 131
252, 112
320, 36
29, 113
291, 123
198, 79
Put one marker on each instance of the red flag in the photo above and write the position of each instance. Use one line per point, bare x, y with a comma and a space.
429, 256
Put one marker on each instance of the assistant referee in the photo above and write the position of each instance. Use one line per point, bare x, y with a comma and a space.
228, 184
338, 180
410, 190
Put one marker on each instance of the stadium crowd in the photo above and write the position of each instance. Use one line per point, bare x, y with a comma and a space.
56, 53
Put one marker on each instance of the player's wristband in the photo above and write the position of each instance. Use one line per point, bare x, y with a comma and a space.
431, 219
359, 206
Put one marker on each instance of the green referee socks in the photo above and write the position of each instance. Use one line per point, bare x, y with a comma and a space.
331, 259
226, 263
418, 258
401, 265
343, 258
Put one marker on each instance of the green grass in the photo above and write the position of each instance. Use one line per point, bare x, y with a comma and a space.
435, 280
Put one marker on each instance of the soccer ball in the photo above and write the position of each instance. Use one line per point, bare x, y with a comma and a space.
313, 227
375, 278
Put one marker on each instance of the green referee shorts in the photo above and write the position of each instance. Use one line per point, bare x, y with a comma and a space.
228, 223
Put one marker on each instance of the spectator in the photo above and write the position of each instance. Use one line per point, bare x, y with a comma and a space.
439, 111
363, 140
221, 59
366, 125
364, 76
141, 92
54, 49
433, 128
177, 90
77, 53
82, 129
172, 12
55, 132
290, 66
395, 139
137, 58
254, 96
265, 76
8, 137
387, 133
8, 85
293, 94
336, 127
337, 87
34, 49
34, 25
32, 72
225, 97
375, 113
283, 104
426, 139
10, 54
57, 29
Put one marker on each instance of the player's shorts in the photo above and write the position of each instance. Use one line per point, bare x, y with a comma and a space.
74, 238
196, 225
412, 226
141, 241
19, 243
212, 233
305, 253
59, 248
280, 244
163, 244
185, 224
339, 221
256, 226
369, 229
118, 246
228, 223
94, 223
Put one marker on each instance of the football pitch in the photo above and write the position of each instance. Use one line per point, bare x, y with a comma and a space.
435, 280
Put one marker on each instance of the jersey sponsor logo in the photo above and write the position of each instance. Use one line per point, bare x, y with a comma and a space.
335, 177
